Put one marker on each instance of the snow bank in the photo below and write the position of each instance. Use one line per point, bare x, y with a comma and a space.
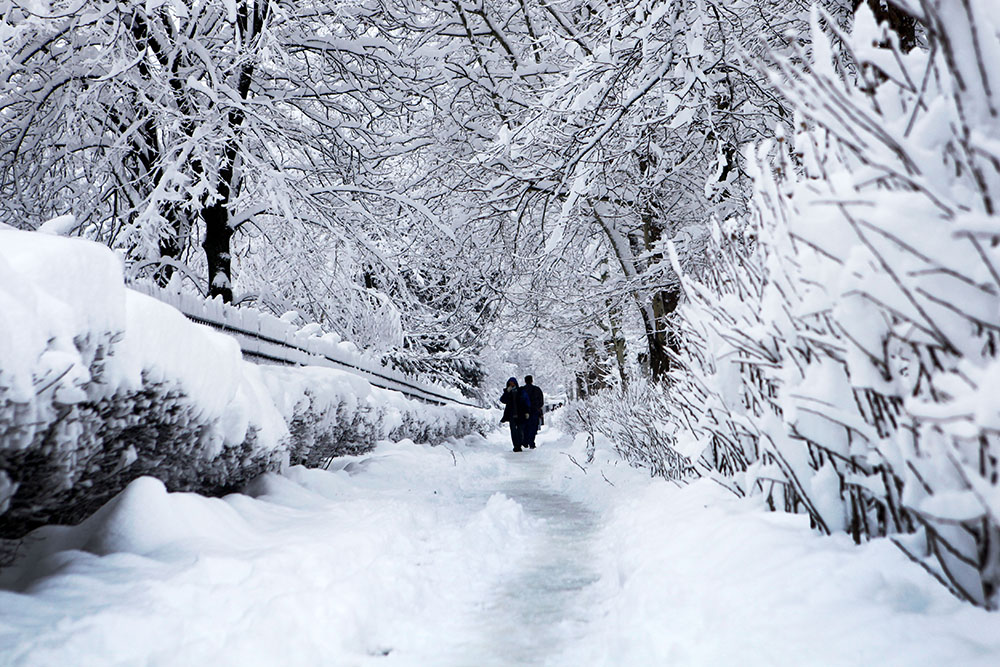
693, 575
749, 588
376, 560
100, 384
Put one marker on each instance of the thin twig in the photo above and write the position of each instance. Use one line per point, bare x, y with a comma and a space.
575, 462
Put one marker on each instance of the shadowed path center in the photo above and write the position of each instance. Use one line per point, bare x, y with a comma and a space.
533, 614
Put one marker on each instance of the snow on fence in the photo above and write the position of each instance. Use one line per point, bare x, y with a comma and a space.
270, 339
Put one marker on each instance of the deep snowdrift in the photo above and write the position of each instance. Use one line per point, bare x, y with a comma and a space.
100, 384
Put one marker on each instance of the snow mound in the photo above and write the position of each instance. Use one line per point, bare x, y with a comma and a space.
501, 522
283, 575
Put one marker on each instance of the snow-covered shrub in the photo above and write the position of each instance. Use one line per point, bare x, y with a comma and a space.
632, 419
100, 384
86, 452
844, 361
332, 413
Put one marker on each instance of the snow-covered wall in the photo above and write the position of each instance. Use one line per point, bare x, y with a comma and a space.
100, 384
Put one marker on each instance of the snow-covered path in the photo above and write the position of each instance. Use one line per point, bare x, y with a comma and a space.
469, 554
534, 612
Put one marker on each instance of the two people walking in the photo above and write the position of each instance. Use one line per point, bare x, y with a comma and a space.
523, 408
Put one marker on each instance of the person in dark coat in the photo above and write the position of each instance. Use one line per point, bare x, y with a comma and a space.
515, 412
536, 405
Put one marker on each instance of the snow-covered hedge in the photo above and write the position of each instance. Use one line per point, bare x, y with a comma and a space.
330, 413
842, 360
100, 384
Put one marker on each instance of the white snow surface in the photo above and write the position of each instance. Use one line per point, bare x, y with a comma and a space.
51, 290
469, 554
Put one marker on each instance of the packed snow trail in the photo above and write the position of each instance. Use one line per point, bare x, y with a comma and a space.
534, 612
467, 555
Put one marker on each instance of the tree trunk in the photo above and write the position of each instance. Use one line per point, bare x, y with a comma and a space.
590, 379
655, 309
899, 21
618, 341
216, 215
218, 232
218, 237
660, 336
662, 303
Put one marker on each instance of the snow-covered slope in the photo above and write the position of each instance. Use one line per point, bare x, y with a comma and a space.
100, 384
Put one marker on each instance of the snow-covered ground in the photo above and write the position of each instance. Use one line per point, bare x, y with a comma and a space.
468, 554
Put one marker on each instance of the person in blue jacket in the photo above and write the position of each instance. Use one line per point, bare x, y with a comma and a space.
515, 412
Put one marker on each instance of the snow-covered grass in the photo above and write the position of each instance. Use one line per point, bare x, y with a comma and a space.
469, 554
100, 384
695, 576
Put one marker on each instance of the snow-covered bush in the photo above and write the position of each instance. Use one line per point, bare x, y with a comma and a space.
331, 413
631, 418
842, 358
100, 384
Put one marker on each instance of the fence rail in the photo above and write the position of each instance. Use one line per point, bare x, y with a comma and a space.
268, 339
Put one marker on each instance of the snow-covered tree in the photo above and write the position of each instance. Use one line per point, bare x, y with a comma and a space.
618, 121
167, 124
840, 358
274, 138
